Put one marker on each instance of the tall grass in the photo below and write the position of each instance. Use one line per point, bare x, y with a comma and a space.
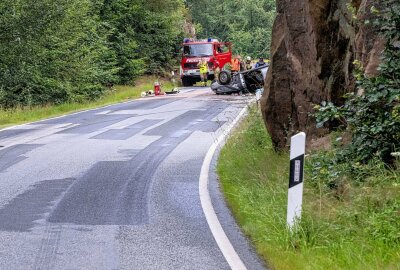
117, 94
355, 226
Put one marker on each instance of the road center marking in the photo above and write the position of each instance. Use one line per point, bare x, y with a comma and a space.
220, 237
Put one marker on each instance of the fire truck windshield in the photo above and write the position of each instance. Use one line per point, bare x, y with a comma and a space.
196, 50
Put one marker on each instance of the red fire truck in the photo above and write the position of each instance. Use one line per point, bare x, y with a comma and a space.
216, 53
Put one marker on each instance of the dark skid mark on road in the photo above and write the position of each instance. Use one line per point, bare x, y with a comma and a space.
14, 154
191, 121
116, 193
20, 214
128, 132
113, 193
93, 199
45, 259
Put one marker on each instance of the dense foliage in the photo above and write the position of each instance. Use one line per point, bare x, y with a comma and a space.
372, 115
51, 50
245, 23
55, 51
146, 34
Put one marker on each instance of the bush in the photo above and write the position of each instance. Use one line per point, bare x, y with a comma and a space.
372, 116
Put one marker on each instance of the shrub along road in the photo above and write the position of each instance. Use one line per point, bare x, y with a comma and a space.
116, 187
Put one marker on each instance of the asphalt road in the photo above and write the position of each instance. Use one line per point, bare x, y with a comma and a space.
117, 187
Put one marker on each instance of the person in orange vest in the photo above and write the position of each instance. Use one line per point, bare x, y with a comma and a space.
235, 64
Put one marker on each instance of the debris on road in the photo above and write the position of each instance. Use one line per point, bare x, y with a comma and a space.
158, 91
173, 91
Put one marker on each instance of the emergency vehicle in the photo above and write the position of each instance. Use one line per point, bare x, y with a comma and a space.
217, 54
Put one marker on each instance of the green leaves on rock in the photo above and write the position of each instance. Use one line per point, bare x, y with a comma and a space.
372, 115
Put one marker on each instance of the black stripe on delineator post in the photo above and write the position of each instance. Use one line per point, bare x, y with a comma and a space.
296, 171
295, 190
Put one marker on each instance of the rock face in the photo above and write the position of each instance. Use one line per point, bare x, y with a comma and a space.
314, 44
189, 29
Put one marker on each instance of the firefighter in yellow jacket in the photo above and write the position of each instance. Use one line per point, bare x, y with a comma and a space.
203, 65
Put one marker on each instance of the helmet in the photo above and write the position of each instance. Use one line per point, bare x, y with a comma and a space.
248, 58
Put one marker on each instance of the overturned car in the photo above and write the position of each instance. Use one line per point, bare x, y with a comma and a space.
241, 82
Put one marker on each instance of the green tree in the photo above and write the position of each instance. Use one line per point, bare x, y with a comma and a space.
146, 34
119, 15
245, 23
159, 32
52, 51
372, 116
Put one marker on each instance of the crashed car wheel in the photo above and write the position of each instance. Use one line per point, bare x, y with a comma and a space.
259, 77
224, 77
256, 76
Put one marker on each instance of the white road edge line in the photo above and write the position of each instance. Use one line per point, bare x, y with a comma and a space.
220, 237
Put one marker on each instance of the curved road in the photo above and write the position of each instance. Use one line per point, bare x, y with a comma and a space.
117, 187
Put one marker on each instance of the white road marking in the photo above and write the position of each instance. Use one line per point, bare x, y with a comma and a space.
104, 112
21, 126
36, 133
220, 237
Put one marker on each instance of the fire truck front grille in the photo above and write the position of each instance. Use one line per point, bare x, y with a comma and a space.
195, 65
190, 65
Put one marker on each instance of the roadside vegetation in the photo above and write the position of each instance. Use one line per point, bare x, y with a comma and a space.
59, 56
351, 226
56, 51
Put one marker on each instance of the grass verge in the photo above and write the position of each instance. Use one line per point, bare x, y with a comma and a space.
355, 226
120, 93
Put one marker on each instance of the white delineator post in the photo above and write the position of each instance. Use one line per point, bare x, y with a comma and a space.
295, 194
